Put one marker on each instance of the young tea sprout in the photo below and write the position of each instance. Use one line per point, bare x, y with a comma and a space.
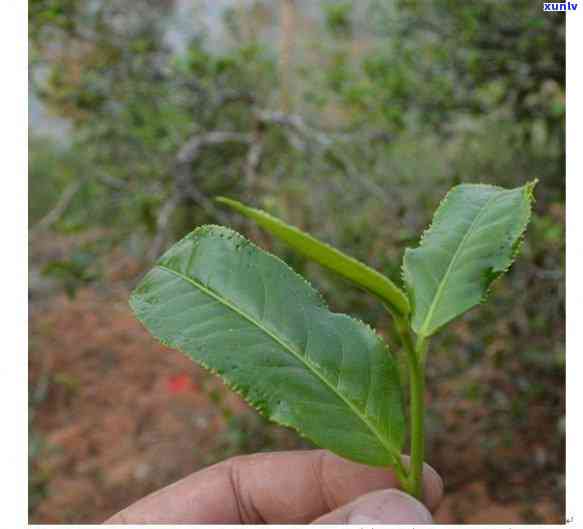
248, 317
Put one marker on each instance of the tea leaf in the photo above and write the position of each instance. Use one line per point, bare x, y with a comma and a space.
474, 238
245, 315
329, 257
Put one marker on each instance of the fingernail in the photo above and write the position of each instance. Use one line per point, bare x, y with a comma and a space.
389, 506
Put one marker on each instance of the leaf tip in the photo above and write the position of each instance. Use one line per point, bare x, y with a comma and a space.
231, 203
529, 189
223, 200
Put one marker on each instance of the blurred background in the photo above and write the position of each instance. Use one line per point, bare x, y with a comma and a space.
348, 119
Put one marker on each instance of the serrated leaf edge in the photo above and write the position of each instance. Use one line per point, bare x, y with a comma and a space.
233, 386
528, 190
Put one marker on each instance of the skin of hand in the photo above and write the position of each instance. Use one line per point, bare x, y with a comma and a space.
313, 486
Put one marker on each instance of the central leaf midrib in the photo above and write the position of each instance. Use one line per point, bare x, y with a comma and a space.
443, 282
286, 346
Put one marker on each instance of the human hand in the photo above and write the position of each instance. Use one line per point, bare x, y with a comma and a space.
286, 487
312, 486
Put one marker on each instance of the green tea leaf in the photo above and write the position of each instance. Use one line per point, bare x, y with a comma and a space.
329, 257
244, 314
475, 236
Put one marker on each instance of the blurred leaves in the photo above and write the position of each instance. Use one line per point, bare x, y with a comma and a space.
80, 269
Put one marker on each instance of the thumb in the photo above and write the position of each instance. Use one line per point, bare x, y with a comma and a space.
390, 506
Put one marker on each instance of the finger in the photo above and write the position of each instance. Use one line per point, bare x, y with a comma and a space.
380, 507
279, 487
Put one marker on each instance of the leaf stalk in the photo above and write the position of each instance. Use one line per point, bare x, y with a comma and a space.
415, 355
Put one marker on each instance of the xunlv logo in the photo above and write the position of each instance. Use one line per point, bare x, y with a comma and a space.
560, 6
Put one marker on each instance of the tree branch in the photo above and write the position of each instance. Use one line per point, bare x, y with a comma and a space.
62, 204
185, 188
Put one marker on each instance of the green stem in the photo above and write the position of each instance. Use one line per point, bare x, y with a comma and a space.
415, 356
417, 414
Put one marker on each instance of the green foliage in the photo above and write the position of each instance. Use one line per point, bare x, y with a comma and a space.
243, 314
134, 103
474, 238
338, 18
248, 317
51, 168
79, 270
58, 13
329, 257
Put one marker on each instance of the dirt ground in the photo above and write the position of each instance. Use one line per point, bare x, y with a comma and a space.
114, 416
